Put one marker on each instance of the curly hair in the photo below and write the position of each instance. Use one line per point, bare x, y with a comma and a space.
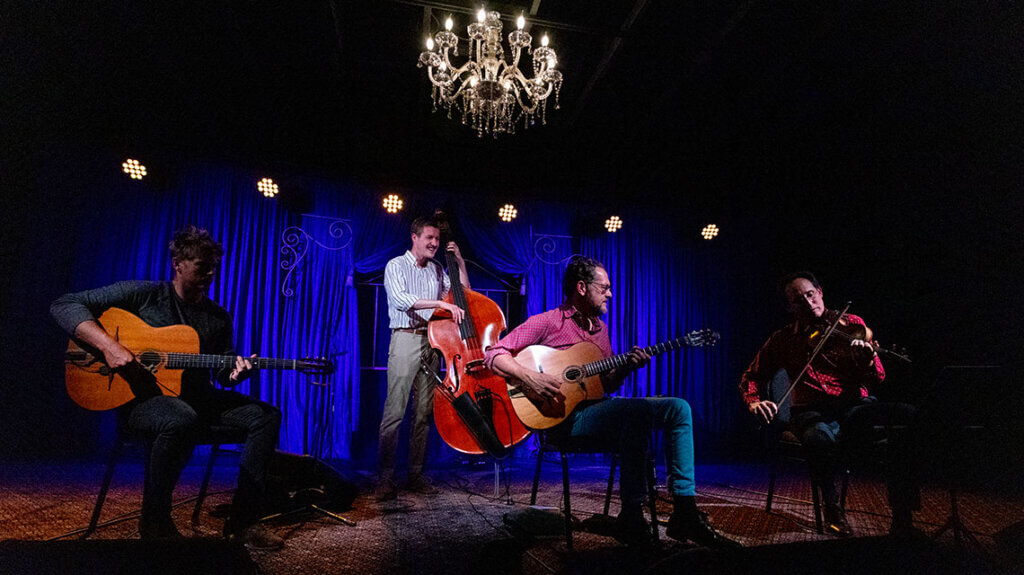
580, 269
195, 243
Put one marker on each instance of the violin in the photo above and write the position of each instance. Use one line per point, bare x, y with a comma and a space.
846, 332
472, 411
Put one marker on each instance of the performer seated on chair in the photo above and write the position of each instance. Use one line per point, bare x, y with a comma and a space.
831, 406
170, 423
625, 424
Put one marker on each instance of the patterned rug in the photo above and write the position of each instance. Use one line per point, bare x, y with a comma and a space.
469, 528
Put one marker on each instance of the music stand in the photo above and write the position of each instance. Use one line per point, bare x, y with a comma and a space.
965, 402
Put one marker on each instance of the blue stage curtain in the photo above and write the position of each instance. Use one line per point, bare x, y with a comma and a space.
658, 294
659, 289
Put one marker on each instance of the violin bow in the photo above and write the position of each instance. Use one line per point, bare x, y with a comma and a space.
814, 354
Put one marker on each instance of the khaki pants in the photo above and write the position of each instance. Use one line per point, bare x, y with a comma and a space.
405, 354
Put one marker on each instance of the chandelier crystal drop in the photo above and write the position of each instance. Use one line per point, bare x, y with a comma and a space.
491, 92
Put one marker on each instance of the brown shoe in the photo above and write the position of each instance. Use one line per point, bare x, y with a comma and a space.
420, 484
385, 490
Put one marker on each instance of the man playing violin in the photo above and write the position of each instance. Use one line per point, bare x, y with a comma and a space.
622, 423
415, 284
831, 408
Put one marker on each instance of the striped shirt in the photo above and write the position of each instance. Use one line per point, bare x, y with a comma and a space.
406, 283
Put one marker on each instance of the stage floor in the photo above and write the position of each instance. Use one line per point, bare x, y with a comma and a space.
461, 530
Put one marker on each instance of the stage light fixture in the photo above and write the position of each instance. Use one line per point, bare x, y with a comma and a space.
134, 169
709, 231
392, 203
613, 224
508, 212
267, 187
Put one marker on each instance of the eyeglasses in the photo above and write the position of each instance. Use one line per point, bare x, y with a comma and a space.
605, 288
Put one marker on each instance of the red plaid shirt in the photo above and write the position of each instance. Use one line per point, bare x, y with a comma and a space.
789, 349
555, 328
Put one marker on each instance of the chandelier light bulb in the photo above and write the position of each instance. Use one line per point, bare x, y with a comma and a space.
430, 43
481, 16
448, 24
520, 22
544, 41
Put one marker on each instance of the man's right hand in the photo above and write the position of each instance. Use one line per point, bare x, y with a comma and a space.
764, 411
545, 385
456, 311
117, 355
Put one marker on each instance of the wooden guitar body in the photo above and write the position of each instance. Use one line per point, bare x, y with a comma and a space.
539, 413
92, 385
161, 355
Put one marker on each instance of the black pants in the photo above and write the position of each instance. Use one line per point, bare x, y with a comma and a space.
170, 426
835, 431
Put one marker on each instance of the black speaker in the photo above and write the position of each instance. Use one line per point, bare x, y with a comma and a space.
299, 480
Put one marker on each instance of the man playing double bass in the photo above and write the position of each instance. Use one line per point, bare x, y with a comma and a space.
625, 424
415, 284
831, 407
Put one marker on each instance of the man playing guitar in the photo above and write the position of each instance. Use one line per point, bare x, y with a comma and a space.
625, 424
169, 422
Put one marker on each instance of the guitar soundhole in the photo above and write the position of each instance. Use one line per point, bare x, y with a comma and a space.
149, 359
573, 373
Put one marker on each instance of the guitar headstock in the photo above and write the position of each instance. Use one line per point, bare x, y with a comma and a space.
315, 366
702, 338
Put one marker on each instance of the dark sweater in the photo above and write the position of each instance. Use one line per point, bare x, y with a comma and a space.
158, 305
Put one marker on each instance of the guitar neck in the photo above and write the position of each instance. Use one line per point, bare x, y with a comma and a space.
204, 361
609, 363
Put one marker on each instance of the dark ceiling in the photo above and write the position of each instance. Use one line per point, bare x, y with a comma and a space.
709, 101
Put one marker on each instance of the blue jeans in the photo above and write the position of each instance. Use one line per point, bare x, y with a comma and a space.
170, 426
625, 424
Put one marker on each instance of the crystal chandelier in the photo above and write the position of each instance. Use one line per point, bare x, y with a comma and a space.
491, 93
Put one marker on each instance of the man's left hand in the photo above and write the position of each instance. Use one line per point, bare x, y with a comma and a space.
866, 349
638, 357
454, 248
243, 367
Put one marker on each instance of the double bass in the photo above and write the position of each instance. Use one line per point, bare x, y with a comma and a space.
472, 411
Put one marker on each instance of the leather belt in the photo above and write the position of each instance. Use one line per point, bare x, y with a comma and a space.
412, 330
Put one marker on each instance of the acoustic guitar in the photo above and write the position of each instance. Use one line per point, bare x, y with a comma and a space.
161, 353
581, 367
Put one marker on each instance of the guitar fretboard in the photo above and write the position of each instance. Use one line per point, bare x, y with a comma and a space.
199, 360
610, 363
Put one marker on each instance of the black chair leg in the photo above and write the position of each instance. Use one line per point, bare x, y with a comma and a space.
611, 483
536, 476
108, 476
214, 450
816, 497
565, 495
652, 497
773, 470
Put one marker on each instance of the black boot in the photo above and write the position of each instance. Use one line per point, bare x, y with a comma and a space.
689, 523
631, 528
835, 521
